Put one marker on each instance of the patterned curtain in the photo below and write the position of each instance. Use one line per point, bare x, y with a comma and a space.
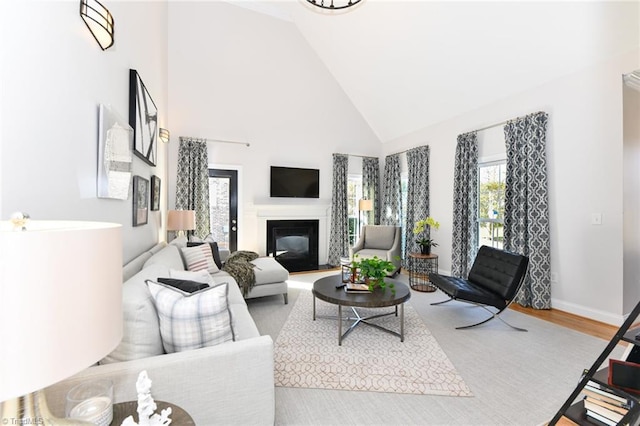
392, 201
465, 205
526, 210
371, 187
417, 194
192, 186
339, 238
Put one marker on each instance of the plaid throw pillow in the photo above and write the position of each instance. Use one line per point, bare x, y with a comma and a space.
192, 320
200, 257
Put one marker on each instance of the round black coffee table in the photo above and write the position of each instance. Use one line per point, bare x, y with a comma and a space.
325, 289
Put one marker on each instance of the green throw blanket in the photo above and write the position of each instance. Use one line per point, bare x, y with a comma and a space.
239, 266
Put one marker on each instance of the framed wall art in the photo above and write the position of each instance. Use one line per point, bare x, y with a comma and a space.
143, 118
115, 139
140, 200
155, 193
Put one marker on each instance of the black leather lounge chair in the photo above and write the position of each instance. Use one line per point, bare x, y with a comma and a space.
494, 281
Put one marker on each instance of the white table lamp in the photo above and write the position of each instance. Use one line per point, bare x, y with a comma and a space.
60, 309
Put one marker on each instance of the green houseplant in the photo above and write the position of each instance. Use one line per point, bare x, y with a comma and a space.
423, 232
374, 270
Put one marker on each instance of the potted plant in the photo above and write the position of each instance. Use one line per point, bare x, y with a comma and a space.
423, 231
355, 269
374, 270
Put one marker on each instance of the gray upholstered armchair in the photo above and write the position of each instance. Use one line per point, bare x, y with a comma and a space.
379, 240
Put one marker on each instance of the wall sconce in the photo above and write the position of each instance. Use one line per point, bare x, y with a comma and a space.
164, 134
99, 21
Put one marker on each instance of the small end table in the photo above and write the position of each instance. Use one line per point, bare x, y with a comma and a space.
122, 410
420, 265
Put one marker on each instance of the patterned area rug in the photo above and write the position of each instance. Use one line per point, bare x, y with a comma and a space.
307, 354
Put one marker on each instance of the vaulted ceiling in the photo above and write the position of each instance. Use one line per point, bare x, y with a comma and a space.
407, 65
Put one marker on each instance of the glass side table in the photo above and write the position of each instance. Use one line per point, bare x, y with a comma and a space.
420, 266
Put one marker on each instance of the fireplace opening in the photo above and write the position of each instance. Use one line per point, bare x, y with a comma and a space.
293, 243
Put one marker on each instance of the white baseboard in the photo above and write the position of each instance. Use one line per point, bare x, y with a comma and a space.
583, 311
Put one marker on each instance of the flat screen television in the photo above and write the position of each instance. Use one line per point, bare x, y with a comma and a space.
295, 182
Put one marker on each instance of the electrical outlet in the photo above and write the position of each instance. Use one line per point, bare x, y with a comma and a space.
554, 277
596, 218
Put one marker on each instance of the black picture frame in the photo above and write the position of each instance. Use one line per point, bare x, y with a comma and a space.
155, 193
143, 118
140, 201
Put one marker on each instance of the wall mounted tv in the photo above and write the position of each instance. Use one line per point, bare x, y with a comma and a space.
295, 182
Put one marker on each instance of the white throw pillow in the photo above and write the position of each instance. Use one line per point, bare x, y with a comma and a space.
201, 276
192, 320
199, 258
179, 242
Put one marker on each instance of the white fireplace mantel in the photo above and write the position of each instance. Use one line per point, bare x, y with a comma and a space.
292, 210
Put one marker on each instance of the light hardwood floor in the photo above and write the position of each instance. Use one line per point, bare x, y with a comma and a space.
575, 322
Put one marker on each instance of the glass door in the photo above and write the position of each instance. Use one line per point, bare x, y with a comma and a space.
223, 201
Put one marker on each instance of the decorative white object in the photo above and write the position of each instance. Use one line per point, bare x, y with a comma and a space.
19, 221
147, 406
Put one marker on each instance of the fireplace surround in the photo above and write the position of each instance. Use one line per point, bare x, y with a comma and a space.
294, 243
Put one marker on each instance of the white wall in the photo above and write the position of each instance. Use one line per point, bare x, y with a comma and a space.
53, 77
584, 154
239, 75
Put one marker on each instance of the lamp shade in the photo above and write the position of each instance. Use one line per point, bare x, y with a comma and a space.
60, 301
181, 220
365, 205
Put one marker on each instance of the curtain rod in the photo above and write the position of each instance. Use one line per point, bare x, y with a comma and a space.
406, 150
357, 155
221, 141
502, 123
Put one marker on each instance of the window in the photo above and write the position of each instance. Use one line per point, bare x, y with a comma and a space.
491, 188
354, 194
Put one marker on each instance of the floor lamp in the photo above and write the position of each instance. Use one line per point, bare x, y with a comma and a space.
364, 206
60, 309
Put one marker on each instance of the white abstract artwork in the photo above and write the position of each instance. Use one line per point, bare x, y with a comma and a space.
115, 140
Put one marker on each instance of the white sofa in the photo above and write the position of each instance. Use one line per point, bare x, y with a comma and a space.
231, 383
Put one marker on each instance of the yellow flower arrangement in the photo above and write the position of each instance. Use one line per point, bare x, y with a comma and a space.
426, 225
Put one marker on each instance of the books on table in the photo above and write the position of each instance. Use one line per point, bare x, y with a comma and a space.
356, 288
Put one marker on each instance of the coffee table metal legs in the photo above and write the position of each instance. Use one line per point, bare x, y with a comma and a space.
365, 320
340, 336
357, 319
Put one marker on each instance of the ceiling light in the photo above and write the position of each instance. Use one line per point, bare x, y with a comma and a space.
334, 5
99, 21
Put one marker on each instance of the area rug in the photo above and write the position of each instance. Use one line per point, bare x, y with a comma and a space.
307, 354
